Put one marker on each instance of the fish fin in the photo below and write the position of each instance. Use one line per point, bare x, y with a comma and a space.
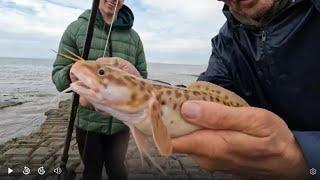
160, 132
217, 91
142, 143
204, 86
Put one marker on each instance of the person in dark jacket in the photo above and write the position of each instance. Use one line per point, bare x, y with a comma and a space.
268, 53
102, 140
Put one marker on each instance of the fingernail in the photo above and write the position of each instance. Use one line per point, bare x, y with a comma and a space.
191, 111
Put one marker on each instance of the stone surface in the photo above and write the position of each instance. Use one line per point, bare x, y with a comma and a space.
45, 146
18, 151
42, 151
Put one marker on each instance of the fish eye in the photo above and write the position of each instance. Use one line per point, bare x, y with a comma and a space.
101, 72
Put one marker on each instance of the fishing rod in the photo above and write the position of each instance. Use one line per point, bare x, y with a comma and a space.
75, 100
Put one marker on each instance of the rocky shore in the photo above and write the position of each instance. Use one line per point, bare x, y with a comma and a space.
8, 103
45, 146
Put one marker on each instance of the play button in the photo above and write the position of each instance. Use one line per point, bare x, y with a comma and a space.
10, 170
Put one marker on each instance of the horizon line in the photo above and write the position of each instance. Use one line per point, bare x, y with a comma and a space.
152, 62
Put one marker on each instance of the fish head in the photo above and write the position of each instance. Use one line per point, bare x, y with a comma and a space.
110, 89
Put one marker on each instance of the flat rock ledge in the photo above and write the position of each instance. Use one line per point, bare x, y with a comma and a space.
45, 146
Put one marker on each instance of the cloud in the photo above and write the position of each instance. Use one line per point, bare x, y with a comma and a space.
178, 31
32, 33
46, 18
172, 31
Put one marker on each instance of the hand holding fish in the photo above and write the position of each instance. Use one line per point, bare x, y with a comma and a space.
242, 140
72, 77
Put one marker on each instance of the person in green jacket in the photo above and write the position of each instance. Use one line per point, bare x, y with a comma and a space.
102, 141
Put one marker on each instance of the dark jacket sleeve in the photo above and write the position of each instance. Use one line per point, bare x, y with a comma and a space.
217, 71
61, 66
309, 142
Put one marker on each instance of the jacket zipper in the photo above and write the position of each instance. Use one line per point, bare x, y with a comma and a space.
263, 41
263, 36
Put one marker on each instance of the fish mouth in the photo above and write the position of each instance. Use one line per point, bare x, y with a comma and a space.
101, 106
92, 96
83, 90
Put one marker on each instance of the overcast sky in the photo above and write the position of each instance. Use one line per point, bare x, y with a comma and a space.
172, 31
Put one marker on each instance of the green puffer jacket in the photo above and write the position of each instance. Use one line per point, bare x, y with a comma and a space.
124, 43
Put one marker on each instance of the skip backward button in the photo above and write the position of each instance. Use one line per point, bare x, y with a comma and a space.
10, 170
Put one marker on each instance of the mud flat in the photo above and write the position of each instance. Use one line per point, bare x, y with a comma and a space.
45, 146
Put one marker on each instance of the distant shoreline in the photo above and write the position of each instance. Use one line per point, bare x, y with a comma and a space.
51, 59
24, 58
7, 104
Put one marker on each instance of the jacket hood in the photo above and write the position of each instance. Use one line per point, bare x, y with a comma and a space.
124, 20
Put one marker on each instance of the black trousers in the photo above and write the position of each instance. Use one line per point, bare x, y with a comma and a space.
97, 150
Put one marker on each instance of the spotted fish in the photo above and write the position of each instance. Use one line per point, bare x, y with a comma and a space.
149, 108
